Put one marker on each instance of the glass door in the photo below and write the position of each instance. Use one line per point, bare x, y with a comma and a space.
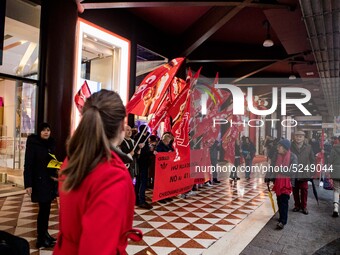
26, 98
17, 121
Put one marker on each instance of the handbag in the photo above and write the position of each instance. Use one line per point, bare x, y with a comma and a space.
328, 182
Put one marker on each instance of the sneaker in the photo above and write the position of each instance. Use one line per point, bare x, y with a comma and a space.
191, 193
280, 226
305, 211
296, 209
335, 214
209, 184
145, 206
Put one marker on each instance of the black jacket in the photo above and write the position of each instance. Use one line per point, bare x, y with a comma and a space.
36, 173
306, 158
161, 147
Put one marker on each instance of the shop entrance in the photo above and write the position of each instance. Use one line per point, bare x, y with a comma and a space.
18, 101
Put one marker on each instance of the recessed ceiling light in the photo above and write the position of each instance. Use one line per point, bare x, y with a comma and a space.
310, 73
316, 89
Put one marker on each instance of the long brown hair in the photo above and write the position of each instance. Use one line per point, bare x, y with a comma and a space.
102, 117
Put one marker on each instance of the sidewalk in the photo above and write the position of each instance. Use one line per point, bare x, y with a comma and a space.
316, 233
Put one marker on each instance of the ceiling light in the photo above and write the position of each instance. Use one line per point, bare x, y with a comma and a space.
310, 73
268, 42
292, 75
315, 90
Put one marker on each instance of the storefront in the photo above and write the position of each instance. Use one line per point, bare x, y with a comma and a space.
18, 80
31, 92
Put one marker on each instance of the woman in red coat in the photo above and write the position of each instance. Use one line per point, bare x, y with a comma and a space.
96, 193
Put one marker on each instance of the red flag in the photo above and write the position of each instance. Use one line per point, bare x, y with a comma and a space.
151, 91
167, 124
170, 98
180, 113
228, 141
81, 96
177, 85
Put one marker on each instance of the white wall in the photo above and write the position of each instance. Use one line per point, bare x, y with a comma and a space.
101, 71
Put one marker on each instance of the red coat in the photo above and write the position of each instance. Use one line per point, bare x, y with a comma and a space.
97, 217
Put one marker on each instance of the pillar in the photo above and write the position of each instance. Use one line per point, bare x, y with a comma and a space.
56, 70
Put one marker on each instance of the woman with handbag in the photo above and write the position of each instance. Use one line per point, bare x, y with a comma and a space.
96, 192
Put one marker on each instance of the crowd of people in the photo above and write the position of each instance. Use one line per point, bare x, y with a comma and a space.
302, 157
104, 158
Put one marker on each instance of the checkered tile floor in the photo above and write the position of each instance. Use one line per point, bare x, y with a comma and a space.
184, 226
18, 216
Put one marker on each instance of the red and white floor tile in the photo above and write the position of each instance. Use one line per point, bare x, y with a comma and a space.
184, 226
192, 225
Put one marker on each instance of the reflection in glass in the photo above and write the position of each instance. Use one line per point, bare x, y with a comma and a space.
21, 39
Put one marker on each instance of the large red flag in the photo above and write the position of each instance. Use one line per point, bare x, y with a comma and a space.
180, 113
170, 98
229, 138
151, 91
81, 96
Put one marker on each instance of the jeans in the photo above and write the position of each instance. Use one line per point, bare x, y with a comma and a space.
233, 173
249, 163
282, 202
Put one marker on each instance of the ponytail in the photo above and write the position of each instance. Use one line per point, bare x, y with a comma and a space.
103, 114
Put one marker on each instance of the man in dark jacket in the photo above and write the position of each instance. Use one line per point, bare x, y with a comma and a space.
40, 180
248, 152
302, 171
143, 162
127, 147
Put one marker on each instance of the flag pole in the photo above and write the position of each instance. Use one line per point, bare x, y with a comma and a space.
146, 126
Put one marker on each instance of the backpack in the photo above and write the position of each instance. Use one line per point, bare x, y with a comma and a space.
13, 245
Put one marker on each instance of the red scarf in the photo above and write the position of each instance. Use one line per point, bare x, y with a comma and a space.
282, 183
283, 159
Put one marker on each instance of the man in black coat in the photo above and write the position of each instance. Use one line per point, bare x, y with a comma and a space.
143, 162
40, 180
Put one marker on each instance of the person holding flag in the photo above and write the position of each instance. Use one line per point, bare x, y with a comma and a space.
143, 162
